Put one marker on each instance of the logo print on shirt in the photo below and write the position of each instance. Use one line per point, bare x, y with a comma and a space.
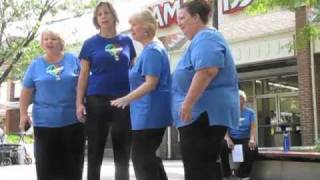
241, 121
114, 50
55, 70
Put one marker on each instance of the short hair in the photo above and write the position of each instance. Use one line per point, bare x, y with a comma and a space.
243, 95
55, 34
145, 18
201, 7
110, 7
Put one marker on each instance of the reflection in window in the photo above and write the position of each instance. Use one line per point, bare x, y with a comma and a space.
276, 102
279, 84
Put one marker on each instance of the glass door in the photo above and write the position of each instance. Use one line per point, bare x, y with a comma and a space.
277, 113
290, 117
266, 113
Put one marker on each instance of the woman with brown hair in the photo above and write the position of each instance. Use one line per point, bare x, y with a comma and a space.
205, 99
105, 60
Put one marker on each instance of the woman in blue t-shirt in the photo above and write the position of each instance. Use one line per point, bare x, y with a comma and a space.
105, 60
205, 98
149, 98
50, 85
244, 134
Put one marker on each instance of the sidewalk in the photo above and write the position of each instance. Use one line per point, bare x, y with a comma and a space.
173, 168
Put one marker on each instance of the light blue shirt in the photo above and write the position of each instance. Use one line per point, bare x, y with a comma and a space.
54, 94
221, 98
153, 109
244, 126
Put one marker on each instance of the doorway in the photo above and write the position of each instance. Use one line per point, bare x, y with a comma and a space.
276, 114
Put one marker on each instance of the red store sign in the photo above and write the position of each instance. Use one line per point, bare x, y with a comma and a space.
232, 6
166, 12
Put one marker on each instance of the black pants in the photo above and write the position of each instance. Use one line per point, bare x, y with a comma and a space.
200, 145
147, 166
59, 152
245, 167
101, 118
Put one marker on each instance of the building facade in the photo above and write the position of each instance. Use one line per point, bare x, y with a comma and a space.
277, 69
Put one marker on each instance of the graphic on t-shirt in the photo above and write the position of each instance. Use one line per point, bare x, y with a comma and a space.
55, 70
241, 121
114, 50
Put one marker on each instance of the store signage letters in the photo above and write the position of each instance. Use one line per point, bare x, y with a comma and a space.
232, 6
166, 12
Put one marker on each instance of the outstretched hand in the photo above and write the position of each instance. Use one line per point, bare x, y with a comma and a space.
120, 102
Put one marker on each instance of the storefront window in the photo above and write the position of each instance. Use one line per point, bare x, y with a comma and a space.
279, 84
276, 103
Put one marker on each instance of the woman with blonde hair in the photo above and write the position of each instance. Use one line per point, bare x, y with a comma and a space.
149, 98
105, 60
50, 84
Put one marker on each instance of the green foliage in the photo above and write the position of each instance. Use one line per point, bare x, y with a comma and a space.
263, 6
310, 31
15, 139
29, 53
19, 25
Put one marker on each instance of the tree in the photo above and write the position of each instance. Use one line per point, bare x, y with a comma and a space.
311, 30
20, 22
29, 53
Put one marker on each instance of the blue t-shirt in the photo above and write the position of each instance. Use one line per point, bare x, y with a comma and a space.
153, 109
244, 126
221, 98
54, 91
109, 63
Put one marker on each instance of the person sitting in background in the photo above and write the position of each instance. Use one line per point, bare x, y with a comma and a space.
245, 134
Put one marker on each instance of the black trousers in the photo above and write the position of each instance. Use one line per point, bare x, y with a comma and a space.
246, 166
59, 152
147, 166
101, 117
200, 146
